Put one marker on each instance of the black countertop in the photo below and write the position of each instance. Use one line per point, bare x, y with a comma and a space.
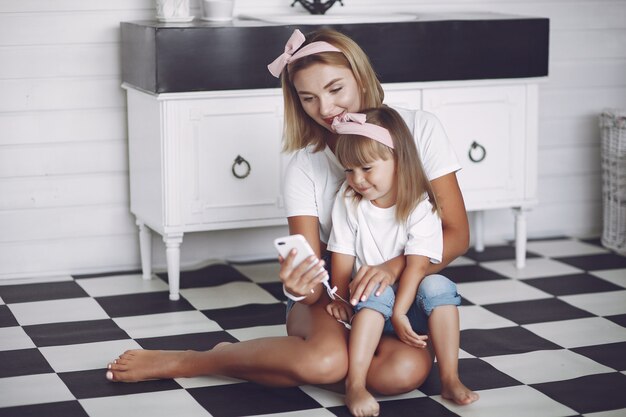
202, 56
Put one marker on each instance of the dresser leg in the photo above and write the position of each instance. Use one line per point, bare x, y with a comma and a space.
145, 249
520, 237
172, 243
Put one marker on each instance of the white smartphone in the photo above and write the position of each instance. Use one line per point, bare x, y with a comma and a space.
286, 243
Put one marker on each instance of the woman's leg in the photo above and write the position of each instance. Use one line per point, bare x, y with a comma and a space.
439, 300
315, 352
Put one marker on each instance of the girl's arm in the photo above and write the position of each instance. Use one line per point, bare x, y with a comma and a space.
300, 280
416, 266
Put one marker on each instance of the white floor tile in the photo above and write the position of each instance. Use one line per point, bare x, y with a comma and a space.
257, 332
33, 389
323, 396
563, 247
13, 338
500, 291
165, 324
613, 413
517, 401
601, 304
121, 284
616, 276
86, 356
153, 404
535, 267
206, 381
58, 311
546, 366
580, 332
477, 317
228, 295
260, 273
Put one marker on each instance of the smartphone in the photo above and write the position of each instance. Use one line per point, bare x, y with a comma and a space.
285, 244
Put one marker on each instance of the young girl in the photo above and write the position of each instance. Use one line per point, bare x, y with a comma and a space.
324, 75
386, 208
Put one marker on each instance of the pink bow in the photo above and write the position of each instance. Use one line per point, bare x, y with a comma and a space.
355, 124
295, 41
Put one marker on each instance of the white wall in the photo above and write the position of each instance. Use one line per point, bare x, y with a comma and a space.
63, 163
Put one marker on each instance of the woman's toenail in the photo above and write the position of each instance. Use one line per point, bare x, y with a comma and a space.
109, 375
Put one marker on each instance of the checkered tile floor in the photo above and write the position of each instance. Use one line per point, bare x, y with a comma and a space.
549, 340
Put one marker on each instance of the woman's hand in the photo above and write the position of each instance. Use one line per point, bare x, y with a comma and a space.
340, 310
366, 280
302, 279
405, 333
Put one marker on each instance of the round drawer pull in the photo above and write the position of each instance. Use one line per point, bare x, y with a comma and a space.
477, 152
238, 162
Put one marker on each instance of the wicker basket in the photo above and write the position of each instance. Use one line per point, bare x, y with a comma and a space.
613, 130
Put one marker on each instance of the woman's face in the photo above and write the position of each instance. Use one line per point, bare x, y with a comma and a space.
327, 91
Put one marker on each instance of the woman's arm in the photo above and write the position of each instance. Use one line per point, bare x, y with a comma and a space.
453, 220
301, 279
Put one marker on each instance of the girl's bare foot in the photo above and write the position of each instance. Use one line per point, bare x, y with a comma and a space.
457, 392
361, 403
142, 365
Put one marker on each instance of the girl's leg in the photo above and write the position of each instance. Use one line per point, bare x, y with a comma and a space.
367, 326
315, 352
440, 299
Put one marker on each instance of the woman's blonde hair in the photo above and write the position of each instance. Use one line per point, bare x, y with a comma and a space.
299, 129
358, 151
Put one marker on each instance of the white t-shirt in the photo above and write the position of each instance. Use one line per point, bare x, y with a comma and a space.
373, 235
312, 179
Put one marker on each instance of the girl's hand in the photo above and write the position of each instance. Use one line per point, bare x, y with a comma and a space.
301, 280
339, 310
405, 333
366, 280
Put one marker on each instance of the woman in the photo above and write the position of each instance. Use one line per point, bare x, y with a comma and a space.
333, 77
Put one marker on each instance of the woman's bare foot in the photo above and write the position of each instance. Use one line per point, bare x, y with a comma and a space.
142, 365
457, 392
361, 403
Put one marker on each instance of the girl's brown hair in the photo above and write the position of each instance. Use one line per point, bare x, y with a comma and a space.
299, 129
357, 151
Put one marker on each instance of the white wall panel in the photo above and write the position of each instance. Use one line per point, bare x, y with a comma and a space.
63, 164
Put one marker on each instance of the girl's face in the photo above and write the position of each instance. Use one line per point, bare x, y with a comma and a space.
375, 182
327, 91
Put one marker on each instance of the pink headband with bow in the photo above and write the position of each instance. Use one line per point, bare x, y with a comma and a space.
354, 124
295, 41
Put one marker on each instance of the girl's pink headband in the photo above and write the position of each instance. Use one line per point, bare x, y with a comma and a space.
295, 41
354, 124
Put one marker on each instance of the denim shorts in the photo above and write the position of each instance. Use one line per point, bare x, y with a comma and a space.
434, 291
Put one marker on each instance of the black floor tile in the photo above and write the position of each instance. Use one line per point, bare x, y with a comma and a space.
193, 341
209, 276
58, 409
248, 315
23, 362
470, 273
40, 292
572, 284
75, 332
595, 262
140, 304
589, 394
495, 253
401, 408
251, 399
537, 311
612, 355
618, 319
7, 319
274, 288
505, 341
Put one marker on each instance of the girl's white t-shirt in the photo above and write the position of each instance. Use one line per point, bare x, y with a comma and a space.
373, 235
312, 179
